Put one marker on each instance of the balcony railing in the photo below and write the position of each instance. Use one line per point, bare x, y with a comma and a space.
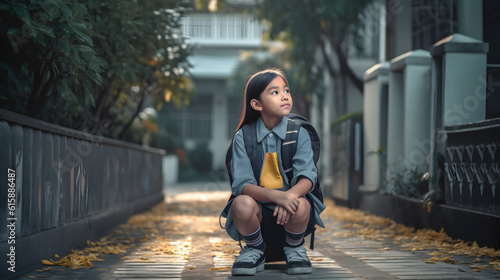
219, 27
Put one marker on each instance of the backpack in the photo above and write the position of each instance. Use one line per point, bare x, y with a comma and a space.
254, 152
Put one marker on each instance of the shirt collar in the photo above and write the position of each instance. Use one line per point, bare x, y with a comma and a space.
279, 130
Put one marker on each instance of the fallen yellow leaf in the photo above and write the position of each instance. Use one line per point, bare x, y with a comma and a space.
47, 262
224, 268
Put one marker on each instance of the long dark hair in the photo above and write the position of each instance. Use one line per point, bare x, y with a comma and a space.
255, 86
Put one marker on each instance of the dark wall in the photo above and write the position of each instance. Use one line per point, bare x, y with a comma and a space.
61, 187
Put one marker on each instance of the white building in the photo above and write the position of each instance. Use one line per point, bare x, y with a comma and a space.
218, 38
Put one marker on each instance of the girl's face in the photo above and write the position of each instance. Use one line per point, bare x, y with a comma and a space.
275, 101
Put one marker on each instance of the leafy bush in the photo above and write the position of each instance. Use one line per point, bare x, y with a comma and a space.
407, 181
91, 65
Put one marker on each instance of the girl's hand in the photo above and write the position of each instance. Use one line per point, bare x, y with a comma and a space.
288, 201
282, 215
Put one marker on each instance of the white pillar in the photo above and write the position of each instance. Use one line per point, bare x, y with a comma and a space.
326, 147
374, 125
170, 170
395, 119
463, 66
458, 90
409, 135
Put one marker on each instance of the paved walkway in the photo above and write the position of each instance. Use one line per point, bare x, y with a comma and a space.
181, 239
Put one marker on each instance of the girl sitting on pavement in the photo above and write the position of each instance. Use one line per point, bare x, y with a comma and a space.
273, 211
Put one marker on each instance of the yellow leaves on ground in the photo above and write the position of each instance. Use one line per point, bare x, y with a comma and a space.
222, 268
479, 268
222, 248
495, 264
360, 224
142, 259
446, 259
168, 247
163, 230
46, 262
43, 270
108, 246
75, 260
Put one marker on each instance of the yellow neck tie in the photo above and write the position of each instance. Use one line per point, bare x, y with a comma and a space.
270, 178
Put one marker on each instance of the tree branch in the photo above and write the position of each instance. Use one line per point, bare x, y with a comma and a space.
36, 102
329, 64
129, 123
344, 67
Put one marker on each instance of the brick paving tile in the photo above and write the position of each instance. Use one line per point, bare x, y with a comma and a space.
188, 244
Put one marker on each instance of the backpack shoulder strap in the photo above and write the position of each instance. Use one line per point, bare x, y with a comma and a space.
288, 150
229, 158
253, 149
289, 147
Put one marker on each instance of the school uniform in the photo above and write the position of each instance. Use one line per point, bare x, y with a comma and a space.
272, 175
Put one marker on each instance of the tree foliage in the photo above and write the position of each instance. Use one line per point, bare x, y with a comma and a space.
307, 26
91, 64
47, 53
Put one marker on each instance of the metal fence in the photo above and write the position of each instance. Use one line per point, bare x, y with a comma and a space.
60, 187
471, 171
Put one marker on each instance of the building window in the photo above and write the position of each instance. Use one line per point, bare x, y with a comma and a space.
221, 27
194, 121
433, 20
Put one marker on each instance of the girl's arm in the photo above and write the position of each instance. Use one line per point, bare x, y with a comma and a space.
288, 200
302, 187
304, 169
299, 190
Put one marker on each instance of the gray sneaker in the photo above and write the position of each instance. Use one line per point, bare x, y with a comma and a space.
249, 262
297, 261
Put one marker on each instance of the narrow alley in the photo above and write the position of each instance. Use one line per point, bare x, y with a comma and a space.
181, 239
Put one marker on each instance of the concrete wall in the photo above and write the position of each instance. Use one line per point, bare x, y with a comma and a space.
347, 160
375, 125
60, 187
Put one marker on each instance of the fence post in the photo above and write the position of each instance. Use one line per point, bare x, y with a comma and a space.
376, 81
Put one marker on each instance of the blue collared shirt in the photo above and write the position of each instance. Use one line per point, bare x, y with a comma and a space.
303, 164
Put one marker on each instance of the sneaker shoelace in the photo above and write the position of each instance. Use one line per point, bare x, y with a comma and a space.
296, 254
249, 255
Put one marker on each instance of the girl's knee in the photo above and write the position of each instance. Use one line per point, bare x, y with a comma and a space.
244, 203
304, 206
303, 211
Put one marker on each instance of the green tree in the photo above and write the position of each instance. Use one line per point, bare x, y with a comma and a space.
91, 64
307, 25
146, 57
46, 53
